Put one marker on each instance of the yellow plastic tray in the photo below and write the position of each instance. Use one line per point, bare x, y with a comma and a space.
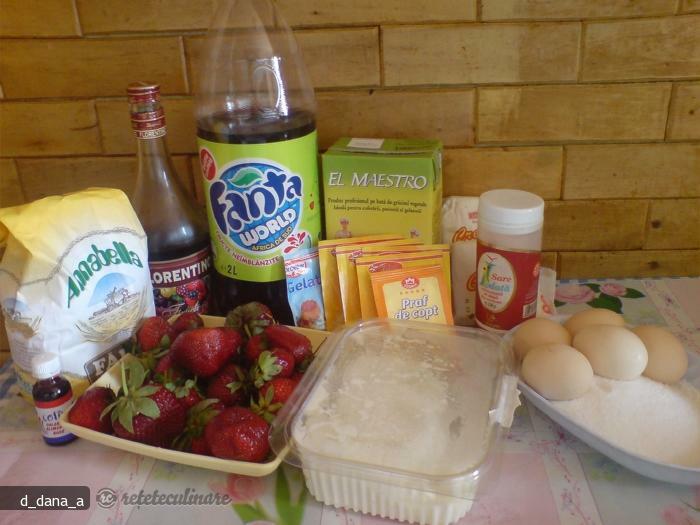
112, 379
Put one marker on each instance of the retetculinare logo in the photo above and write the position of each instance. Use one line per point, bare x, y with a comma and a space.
256, 204
95, 262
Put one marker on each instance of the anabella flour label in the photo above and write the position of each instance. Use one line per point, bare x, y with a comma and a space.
506, 286
74, 281
262, 201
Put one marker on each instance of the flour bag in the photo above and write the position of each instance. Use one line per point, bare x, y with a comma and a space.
74, 281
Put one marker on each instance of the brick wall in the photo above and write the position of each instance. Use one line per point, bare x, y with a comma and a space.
594, 104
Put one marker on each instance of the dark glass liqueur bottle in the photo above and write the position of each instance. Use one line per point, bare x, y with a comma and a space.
178, 240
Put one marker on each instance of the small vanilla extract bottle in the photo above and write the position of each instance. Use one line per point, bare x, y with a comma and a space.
179, 255
52, 395
507, 258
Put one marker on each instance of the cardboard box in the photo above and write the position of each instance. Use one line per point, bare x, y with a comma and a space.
374, 186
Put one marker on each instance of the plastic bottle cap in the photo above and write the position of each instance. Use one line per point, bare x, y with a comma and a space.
46, 365
511, 211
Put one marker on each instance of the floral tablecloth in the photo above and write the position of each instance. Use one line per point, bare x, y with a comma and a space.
546, 477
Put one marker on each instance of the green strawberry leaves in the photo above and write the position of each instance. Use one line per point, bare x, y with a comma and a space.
265, 369
183, 390
236, 385
147, 407
233, 387
197, 418
134, 398
146, 391
265, 408
125, 416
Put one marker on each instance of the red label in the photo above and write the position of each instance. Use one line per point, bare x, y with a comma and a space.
181, 285
384, 265
208, 164
49, 413
65, 398
410, 282
148, 124
506, 286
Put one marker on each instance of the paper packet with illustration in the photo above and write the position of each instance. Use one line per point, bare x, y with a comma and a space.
369, 264
74, 281
347, 276
413, 294
330, 283
459, 229
304, 288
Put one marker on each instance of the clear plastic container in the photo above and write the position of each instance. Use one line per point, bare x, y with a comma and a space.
400, 419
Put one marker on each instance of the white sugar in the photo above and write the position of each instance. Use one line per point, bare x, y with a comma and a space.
660, 422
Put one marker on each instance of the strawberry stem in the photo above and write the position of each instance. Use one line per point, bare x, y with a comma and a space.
124, 386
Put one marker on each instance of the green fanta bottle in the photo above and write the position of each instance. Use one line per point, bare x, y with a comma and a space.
256, 133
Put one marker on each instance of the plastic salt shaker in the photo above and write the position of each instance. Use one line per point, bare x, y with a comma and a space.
508, 258
52, 396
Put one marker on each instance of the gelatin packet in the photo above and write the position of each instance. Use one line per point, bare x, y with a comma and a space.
304, 288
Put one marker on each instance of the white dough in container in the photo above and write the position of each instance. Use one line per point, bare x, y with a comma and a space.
400, 420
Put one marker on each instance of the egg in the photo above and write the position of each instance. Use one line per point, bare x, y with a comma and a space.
668, 361
613, 351
580, 320
557, 372
537, 332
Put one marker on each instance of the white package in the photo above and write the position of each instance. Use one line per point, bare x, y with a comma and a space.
74, 281
459, 230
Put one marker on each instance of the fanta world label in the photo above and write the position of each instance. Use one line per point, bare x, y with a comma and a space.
261, 198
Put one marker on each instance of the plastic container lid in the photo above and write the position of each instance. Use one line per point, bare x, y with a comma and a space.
403, 404
511, 211
46, 365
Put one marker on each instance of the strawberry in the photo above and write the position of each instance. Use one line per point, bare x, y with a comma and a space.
250, 319
279, 389
297, 344
255, 346
199, 445
87, 410
187, 321
228, 385
149, 414
232, 337
154, 333
203, 351
275, 363
186, 393
150, 359
192, 437
237, 433
272, 396
166, 370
